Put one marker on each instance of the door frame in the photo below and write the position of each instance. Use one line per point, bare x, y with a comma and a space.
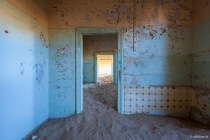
96, 63
79, 64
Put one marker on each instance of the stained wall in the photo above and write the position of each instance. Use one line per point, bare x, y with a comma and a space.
61, 73
201, 62
165, 55
24, 72
156, 55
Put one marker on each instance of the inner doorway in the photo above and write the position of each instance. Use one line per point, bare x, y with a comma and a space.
105, 70
84, 62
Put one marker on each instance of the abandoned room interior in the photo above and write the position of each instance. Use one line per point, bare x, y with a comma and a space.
104, 69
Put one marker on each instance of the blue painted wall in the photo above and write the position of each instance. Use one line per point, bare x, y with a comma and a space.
62, 72
201, 72
201, 54
23, 73
161, 56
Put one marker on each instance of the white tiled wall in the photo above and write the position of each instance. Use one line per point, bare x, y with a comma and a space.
157, 100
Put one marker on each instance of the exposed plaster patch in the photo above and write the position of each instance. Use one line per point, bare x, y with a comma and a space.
121, 10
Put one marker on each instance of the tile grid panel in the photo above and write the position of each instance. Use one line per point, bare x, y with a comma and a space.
156, 100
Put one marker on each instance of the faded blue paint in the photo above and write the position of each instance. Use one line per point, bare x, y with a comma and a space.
23, 101
201, 55
201, 71
160, 60
40, 72
62, 73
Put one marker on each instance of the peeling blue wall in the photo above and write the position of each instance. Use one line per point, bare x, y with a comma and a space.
62, 73
161, 56
201, 72
23, 74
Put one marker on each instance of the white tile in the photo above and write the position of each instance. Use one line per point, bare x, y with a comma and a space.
152, 97
171, 97
133, 96
140, 103
158, 97
146, 97
125, 90
177, 103
171, 103
145, 109
171, 90
139, 96
164, 90
127, 108
152, 90
158, 90
152, 103
133, 90
127, 96
146, 90
133, 102
145, 103
164, 97
133, 109
139, 109
177, 97
139, 90
158, 103
127, 102
165, 103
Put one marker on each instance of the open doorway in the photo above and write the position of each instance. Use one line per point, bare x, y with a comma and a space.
105, 72
90, 45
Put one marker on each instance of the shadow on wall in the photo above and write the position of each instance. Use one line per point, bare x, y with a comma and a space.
24, 73
158, 61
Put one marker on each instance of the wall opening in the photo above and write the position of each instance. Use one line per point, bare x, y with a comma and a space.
91, 42
105, 70
100, 58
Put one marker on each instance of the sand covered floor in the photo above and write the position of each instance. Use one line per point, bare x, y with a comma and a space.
100, 121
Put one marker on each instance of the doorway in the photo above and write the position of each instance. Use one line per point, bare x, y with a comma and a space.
105, 71
80, 33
